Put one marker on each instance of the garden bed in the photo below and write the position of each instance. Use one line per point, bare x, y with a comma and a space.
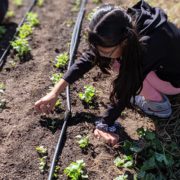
23, 129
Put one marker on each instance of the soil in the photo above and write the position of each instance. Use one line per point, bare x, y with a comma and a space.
22, 128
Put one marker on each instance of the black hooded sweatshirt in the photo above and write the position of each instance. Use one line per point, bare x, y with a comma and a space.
161, 51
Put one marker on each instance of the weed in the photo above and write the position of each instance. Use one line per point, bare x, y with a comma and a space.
97, 1
57, 168
2, 87
76, 6
42, 164
89, 16
41, 150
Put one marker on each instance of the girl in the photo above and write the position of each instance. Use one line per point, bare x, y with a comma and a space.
3, 9
144, 47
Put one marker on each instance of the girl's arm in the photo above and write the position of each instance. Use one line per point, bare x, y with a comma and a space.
162, 86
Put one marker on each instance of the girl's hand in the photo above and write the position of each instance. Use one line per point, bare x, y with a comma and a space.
47, 103
110, 138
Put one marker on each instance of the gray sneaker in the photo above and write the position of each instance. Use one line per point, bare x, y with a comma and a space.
160, 109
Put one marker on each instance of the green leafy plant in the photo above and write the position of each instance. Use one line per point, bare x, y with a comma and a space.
76, 6
10, 14
122, 177
55, 175
75, 170
18, 3
42, 164
83, 141
58, 103
55, 78
90, 14
32, 19
25, 30
126, 161
40, 3
21, 46
96, 1
88, 95
61, 60
2, 87
2, 31
41, 150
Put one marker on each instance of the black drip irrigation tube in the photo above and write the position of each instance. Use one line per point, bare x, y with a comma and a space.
20, 24
73, 48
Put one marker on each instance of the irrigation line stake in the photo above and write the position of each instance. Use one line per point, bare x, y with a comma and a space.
20, 24
73, 48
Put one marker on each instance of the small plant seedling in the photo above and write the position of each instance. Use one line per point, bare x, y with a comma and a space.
57, 168
76, 6
42, 164
122, 177
58, 103
32, 19
88, 95
69, 23
96, 1
2, 31
21, 46
10, 14
18, 3
75, 170
90, 14
2, 87
56, 77
12, 63
40, 3
61, 60
25, 30
126, 161
83, 141
41, 150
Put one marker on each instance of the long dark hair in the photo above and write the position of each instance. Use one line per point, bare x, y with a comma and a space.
111, 26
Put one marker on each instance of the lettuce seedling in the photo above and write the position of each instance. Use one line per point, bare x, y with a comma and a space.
25, 30
18, 3
55, 175
90, 14
42, 163
21, 46
83, 141
32, 19
88, 95
41, 150
126, 161
40, 3
76, 6
56, 77
122, 177
75, 170
61, 60
2, 31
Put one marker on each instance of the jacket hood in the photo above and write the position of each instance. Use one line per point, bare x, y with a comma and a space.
147, 18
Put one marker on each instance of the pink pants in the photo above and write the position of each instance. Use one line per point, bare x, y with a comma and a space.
153, 86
